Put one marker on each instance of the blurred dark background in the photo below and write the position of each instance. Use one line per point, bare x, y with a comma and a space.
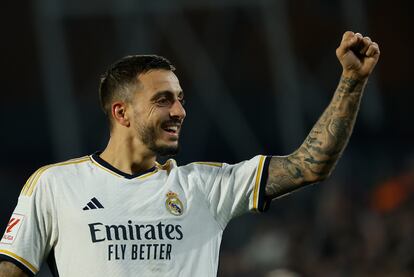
257, 75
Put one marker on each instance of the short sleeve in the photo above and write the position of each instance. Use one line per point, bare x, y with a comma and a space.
232, 190
29, 235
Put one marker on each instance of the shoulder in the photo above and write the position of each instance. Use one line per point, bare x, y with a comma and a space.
171, 165
256, 164
51, 171
201, 166
201, 171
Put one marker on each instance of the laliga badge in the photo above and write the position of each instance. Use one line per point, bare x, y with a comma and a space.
174, 204
12, 229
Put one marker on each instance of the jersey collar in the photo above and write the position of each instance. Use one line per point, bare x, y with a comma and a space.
97, 159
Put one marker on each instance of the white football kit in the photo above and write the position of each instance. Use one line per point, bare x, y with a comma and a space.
89, 219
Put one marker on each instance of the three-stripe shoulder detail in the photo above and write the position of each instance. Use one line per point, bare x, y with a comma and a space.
214, 164
31, 183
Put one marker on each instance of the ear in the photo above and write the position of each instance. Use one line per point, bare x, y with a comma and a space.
119, 113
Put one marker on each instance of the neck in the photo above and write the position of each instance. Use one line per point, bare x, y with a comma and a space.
128, 155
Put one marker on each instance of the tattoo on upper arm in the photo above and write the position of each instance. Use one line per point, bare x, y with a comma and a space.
317, 156
285, 175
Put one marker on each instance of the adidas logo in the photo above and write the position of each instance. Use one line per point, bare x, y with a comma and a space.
93, 204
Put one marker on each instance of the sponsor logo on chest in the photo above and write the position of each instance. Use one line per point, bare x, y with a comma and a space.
132, 240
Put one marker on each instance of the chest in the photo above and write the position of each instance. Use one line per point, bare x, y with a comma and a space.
161, 207
159, 219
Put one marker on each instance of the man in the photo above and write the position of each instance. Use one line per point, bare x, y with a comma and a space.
120, 213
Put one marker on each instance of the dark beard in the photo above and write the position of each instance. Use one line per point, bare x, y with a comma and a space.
165, 151
148, 137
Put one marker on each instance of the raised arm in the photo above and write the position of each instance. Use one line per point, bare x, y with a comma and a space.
315, 159
8, 269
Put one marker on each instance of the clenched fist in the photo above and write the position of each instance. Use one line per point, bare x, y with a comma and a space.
357, 54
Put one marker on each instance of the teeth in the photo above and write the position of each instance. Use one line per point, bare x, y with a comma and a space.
172, 128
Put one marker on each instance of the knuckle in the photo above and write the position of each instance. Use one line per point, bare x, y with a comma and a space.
338, 51
368, 39
348, 34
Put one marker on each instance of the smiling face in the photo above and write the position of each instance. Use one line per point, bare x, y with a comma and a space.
158, 112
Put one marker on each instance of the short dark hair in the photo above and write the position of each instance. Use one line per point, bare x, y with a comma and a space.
123, 74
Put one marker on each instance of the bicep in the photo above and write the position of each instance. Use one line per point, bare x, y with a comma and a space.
286, 174
8, 269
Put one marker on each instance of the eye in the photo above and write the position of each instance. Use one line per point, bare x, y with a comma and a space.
182, 101
163, 101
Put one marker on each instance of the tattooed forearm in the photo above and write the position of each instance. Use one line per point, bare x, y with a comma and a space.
316, 157
350, 85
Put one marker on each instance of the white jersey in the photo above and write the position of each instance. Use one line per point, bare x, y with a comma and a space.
89, 219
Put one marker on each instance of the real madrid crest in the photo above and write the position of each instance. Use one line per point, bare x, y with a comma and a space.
174, 204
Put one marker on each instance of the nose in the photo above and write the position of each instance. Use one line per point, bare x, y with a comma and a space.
177, 110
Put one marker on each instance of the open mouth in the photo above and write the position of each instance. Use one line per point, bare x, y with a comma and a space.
171, 128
